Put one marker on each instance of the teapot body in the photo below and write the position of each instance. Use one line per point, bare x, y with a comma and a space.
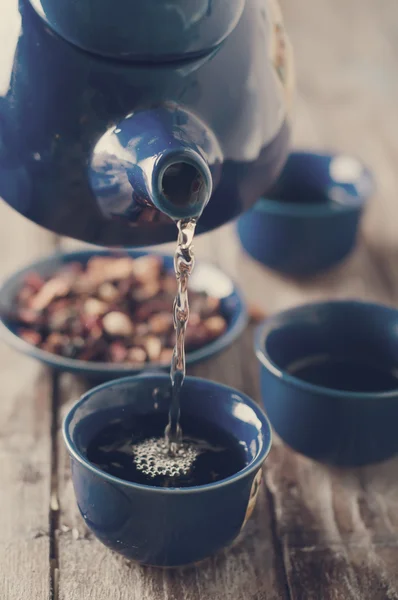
58, 101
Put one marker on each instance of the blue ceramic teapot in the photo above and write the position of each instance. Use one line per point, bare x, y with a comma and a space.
118, 116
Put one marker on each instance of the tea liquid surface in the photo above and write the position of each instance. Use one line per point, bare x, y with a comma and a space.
345, 374
218, 454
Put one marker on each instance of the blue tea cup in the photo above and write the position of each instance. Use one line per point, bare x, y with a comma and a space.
329, 380
157, 526
308, 223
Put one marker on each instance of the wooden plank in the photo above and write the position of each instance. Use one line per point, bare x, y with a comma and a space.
25, 443
336, 527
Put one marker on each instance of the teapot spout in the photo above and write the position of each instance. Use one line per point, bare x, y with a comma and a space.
180, 182
164, 158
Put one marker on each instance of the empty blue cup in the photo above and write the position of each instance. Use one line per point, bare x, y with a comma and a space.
329, 380
157, 526
309, 221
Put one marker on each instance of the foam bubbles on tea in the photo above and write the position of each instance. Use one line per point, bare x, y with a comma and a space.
153, 458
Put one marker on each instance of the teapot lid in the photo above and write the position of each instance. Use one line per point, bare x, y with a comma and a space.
150, 30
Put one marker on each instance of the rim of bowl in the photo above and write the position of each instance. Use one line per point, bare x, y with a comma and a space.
107, 368
252, 466
266, 361
330, 206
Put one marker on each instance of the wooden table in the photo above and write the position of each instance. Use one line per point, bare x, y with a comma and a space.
317, 534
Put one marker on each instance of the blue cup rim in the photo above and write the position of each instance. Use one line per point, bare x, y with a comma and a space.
247, 470
266, 361
325, 209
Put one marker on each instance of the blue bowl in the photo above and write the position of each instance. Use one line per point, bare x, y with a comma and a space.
166, 527
206, 277
309, 221
329, 380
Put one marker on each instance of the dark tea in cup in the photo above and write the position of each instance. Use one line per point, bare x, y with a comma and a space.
344, 373
134, 449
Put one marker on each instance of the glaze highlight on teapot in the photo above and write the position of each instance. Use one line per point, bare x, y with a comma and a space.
107, 137
166, 155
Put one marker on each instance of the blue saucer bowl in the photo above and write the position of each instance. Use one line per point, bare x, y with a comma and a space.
344, 416
157, 526
309, 221
206, 277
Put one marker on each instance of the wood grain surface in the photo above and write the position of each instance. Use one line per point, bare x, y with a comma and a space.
317, 533
25, 442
